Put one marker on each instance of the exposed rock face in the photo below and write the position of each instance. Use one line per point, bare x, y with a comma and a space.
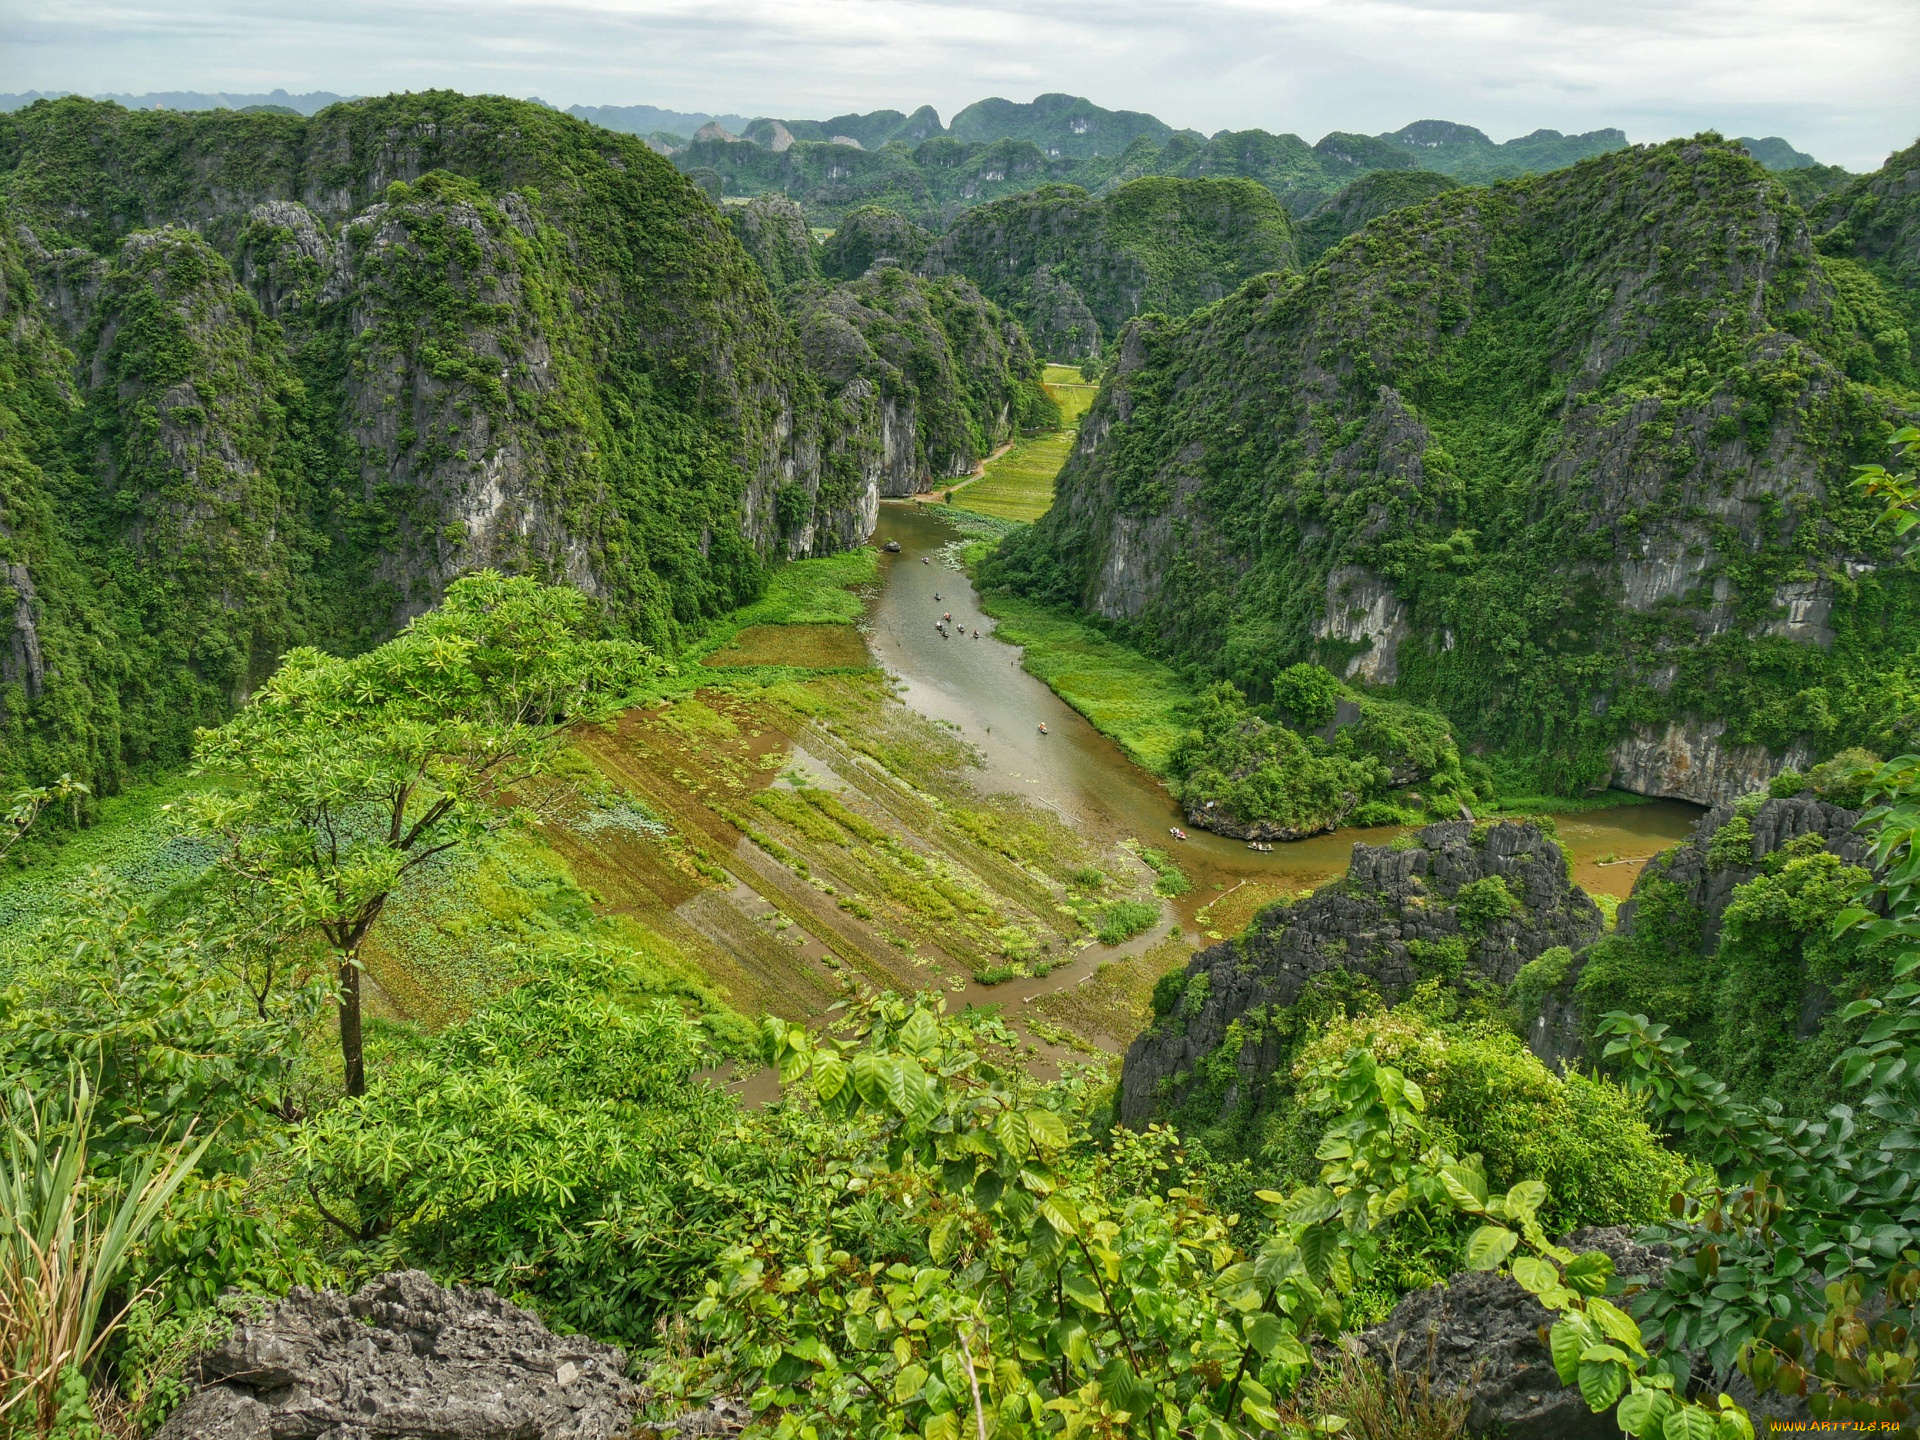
1614, 570
1391, 903
405, 1357
1557, 1034
1685, 760
929, 376
1486, 1338
1075, 269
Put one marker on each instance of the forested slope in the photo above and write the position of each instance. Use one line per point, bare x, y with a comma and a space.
271, 379
1567, 458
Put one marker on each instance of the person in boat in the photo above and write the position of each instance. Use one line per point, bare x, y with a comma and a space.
976, 634
1043, 727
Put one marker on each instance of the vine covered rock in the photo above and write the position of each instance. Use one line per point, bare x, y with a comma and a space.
1457, 900
405, 1357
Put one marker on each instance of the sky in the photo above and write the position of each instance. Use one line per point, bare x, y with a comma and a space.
1835, 77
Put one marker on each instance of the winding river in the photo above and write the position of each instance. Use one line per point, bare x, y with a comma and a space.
979, 687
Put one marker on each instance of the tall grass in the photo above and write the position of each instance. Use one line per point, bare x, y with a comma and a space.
65, 1235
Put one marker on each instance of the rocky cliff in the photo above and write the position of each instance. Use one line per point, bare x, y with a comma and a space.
1456, 900
1566, 459
928, 376
275, 379
1727, 941
1074, 269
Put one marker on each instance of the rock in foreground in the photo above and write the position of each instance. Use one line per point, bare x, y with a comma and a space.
405, 1357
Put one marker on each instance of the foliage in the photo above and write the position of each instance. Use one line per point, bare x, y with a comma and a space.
27, 805
1411, 475
355, 772
1249, 772
1124, 919
64, 1245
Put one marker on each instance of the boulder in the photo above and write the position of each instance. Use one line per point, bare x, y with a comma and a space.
404, 1357
1488, 1337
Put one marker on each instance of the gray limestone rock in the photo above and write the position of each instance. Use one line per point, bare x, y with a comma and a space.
405, 1357
1393, 903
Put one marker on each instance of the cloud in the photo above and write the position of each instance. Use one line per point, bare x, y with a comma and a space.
1833, 79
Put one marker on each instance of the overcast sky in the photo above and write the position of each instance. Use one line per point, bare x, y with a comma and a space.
1836, 77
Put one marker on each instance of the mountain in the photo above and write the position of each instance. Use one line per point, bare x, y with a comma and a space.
268, 380
1060, 125
1776, 154
1075, 269
310, 103
648, 119
1567, 460
1468, 154
1365, 200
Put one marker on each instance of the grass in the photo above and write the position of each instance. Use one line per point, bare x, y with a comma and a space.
1117, 1002
1018, 485
1124, 919
1138, 703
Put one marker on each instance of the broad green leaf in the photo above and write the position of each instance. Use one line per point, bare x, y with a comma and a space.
1566, 1341
829, 1075
1083, 1292
1264, 1332
1689, 1423
1602, 1382
940, 1237
1643, 1411
1489, 1246
1733, 1423
908, 1384
1536, 1275
920, 1035
1590, 1272
1048, 1130
1465, 1186
1525, 1199
1011, 1131
1318, 1246
1312, 1206
1616, 1322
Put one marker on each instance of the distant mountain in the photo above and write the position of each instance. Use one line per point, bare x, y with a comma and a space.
1469, 154
1776, 154
1062, 126
646, 119
309, 104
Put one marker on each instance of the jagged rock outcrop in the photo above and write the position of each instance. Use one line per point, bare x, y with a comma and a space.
325, 365
1673, 583
1485, 1336
1391, 920
872, 236
1702, 881
404, 1357
1057, 255
928, 376
773, 231
1366, 199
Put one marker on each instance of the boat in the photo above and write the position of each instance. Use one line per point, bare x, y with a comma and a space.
1043, 727
1176, 832
892, 547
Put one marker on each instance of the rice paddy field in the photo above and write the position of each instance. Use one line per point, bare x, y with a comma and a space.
1018, 484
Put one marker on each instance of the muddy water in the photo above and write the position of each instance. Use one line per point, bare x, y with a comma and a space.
979, 687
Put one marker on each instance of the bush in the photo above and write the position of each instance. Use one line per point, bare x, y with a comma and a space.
1124, 919
1484, 903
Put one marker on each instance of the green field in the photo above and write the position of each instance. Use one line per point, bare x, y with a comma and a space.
1018, 485
1138, 703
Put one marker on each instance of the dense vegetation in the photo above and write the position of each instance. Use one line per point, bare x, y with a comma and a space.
260, 392
1563, 459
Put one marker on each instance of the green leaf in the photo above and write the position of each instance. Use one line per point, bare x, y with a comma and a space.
1083, 1292
1125, 1389
1536, 1275
1489, 1246
1264, 1332
920, 1036
908, 1384
1601, 1383
1312, 1206
1617, 1323
1642, 1411
1048, 1130
1525, 1199
1318, 1245
1590, 1272
1465, 1186
1011, 1131
940, 1237
1566, 1340
1689, 1423
829, 1075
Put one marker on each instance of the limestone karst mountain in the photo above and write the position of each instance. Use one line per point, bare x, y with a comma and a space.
1568, 460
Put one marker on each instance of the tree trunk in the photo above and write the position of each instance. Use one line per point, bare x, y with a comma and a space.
350, 1048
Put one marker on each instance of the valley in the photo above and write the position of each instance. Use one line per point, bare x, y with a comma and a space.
1040, 806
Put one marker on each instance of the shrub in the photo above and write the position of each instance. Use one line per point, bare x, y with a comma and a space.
1484, 903
1124, 919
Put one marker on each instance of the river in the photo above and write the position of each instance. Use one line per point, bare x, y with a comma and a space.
980, 687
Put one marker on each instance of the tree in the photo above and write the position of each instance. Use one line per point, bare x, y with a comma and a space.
351, 773
26, 806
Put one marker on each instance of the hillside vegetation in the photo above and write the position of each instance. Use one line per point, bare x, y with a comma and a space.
1565, 459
